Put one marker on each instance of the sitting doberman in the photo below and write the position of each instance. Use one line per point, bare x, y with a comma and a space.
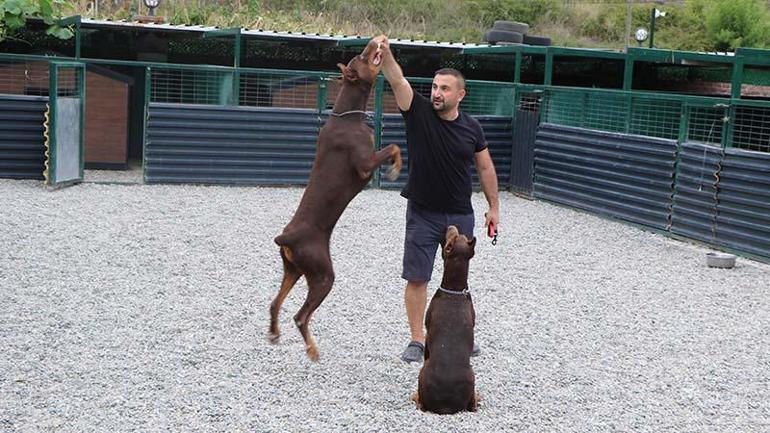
344, 163
446, 383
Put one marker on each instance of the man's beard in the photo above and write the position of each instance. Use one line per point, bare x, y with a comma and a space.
442, 107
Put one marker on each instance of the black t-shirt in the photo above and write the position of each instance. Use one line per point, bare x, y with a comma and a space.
440, 154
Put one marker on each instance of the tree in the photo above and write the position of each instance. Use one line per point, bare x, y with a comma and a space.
730, 24
14, 14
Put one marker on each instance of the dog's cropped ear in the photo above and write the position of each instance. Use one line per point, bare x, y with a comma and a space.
472, 244
449, 244
449, 239
350, 74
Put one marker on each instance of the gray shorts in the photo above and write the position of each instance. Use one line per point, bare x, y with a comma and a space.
425, 230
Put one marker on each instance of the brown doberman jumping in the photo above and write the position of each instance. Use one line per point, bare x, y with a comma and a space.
344, 163
446, 383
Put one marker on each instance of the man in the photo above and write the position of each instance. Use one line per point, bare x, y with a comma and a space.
442, 142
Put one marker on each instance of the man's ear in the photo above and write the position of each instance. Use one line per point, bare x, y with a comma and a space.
462, 93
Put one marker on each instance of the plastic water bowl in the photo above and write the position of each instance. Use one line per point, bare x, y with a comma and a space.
720, 260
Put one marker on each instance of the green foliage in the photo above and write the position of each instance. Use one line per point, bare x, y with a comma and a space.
14, 14
730, 24
696, 25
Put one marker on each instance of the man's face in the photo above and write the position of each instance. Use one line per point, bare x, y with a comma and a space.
446, 93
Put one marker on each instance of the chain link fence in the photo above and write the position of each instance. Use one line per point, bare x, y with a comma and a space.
713, 121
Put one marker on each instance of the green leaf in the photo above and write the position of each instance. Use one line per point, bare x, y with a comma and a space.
59, 32
13, 7
14, 21
29, 8
46, 8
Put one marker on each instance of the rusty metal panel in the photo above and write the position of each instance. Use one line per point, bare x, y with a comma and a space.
615, 174
22, 140
230, 145
497, 130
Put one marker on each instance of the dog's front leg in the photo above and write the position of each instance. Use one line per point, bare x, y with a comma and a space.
390, 152
416, 399
474, 403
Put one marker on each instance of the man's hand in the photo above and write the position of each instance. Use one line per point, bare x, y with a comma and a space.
383, 43
492, 216
402, 90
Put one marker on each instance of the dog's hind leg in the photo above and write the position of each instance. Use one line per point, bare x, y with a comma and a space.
290, 276
319, 284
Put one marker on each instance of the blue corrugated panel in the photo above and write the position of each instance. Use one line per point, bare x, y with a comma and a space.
497, 130
499, 135
232, 145
695, 192
22, 143
743, 211
394, 132
620, 175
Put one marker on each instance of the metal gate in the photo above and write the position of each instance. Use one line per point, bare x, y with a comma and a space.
65, 128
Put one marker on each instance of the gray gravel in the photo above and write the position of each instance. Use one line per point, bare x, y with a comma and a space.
140, 307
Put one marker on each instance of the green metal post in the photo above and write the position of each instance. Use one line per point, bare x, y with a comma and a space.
322, 94
379, 90
517, 71
684, 123
73, 20
547, 80
628, 80
544, 105
77, 39
53, 89
727, 129
628, 72
82, 92
737, 78
146, 118
237, 71
629, 111
652, 29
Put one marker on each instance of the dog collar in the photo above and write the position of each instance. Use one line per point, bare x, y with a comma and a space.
366, 114
463, 292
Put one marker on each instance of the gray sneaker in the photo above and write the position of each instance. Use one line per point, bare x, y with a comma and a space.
413, 352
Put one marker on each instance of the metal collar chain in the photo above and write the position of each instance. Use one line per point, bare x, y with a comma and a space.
455, 292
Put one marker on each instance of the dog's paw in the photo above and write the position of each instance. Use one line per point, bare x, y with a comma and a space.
416, 399
393, 172
274, 337
312, 353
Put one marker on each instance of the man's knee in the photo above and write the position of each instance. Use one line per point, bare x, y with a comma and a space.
416, 286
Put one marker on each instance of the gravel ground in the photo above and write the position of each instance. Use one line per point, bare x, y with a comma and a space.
145, 307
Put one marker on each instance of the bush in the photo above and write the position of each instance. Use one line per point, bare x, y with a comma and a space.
14, 14
730, 24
